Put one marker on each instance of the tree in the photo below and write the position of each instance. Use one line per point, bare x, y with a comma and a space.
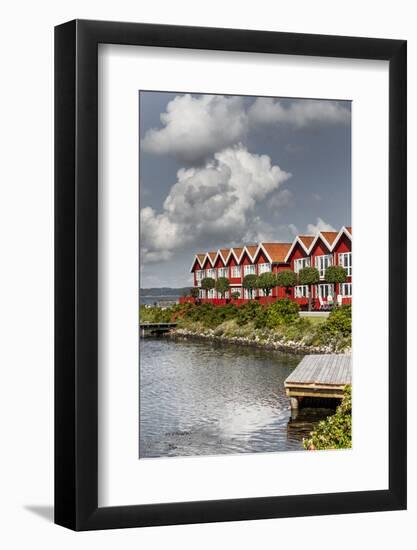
194, 292
235, 295
249, 282
266, 282
286, 279
335, 274
309, 276
208, 284
222, 286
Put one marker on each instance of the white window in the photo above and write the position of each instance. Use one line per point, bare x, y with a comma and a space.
301, 291
211, 293
222, 272
264, 268
202, 293
323, 291
246, 294
211, 273
236, 290
322, 263
199, 276
236, 271
249, 270
346, 290
345, 260
301, 263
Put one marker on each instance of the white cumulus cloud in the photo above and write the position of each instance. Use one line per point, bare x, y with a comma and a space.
211, 202
266, 110
194, 128
320, 225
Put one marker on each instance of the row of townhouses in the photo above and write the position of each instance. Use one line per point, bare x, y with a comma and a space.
321, 251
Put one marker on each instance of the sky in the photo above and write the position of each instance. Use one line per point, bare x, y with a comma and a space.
219, 171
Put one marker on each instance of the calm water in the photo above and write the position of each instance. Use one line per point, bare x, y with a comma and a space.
199, 398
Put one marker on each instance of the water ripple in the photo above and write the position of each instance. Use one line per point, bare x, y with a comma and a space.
199, 398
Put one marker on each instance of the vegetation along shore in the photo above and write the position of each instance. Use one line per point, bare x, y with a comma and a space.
275, 326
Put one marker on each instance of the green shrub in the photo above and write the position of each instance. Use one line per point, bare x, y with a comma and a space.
248, 313
222, 285
339, 322
280, 319
282, 312
286, 279
336, 431
335, 274
155, 314
266, 282
208, 315
249, 282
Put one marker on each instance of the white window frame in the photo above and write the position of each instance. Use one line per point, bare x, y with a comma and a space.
320, 262
343, 288
301, 263
301, 291
249, 269
223, 272
211, 273
247, 294
236, 289
236, 271
343, 256
264, 268
202, 294
319, 292
211, 294
200, 274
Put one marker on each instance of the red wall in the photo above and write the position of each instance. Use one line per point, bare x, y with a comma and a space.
320, 248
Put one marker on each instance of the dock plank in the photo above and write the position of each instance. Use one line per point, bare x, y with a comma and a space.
325, 369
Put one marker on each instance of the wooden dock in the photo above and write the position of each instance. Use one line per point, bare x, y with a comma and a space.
155, 329
323, 376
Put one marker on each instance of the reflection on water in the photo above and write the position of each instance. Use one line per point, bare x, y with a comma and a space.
204, 398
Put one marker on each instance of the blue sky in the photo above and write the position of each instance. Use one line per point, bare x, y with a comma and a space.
218, 171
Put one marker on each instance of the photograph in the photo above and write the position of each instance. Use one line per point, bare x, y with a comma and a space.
245, 274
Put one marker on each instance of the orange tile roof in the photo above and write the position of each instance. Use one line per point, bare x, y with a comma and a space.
237, 250
252, 249
329, 236
277, 251
306, 240
224, 252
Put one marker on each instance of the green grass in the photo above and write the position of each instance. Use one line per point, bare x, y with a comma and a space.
316, 320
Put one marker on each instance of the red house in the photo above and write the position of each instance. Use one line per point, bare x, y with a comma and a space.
320, 251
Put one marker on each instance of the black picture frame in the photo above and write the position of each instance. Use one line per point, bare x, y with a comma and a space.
76, 272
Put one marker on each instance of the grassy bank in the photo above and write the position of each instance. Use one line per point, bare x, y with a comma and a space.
276, 326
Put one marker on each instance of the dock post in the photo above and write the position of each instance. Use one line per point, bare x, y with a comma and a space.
294, 404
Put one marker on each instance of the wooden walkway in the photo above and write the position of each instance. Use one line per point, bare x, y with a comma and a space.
319, 376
